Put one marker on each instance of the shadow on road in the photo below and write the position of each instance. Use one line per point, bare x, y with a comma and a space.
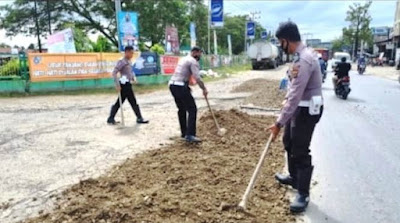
314, 214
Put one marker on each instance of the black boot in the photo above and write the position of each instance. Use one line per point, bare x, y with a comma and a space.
290, 179
300, 203
140, 119
111, 119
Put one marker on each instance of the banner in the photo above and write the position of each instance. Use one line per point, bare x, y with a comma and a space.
250, 26
61, 67
192, 34
128, 30
146, 64
229, 45
264, 35
61, 42
171, 40
217, 13
168, 64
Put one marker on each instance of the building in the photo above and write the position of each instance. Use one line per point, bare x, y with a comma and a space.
396, 34
313, 42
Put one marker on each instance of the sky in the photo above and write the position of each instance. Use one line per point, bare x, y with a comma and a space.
323, 19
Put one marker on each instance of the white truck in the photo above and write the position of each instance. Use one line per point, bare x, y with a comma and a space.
263, 54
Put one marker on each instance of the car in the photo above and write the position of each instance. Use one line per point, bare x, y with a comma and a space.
337, 57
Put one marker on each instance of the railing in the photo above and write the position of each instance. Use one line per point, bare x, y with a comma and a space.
13, 67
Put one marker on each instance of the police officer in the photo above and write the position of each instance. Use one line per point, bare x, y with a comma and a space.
301, 111
187, 68
124, 87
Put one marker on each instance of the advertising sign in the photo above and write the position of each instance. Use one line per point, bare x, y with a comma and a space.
264, 35
171, 40
192, 34
61, 42
168, 64
251, 31
128, 30
59, 67
217, 13
146, 64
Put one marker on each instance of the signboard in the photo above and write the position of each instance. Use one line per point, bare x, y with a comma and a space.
230, 45
61, 42
61, 67
251, 31
128, 30
264, 35
217, 13
145, 64
380, 31
192, 34
171, 40
168, 64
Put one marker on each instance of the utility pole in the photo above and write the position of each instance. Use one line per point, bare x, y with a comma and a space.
37, 27
209, 20
48, 15
117, 9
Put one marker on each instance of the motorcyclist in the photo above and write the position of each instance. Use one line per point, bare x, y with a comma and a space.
361, 60
322, 64
342, 70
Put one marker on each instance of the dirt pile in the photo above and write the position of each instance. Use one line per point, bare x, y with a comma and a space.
266, 93
184, 182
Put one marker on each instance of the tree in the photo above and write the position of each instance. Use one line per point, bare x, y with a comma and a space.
102, 45
31, 46
358, 30
4, 45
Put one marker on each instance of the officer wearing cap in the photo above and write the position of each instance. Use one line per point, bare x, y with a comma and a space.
302, 109
187, 68
124, 87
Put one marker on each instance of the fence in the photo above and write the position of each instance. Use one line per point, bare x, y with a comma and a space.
14, 73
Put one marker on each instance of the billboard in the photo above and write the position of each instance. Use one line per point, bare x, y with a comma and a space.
264, 35
61, 42
168, 64
146, 64
171, 40
192, 34
217, 13
61, 67
251, 29
128, 30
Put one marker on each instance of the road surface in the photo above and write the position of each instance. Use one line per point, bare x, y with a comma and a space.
356, 153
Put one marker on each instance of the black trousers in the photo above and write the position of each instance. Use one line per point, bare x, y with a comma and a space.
126, 93
187, 109
296, 139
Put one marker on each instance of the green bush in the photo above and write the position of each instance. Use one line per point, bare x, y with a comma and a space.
157, 48
11, 68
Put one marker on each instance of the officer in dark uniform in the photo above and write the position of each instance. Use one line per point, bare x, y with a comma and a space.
301, 112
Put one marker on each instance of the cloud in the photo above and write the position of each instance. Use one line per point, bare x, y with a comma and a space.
324, 19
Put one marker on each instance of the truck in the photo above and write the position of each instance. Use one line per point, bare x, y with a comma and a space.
263, 54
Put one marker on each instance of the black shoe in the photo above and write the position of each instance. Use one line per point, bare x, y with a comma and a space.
285, 179
193, 139
142, 121
300, 203
111, 122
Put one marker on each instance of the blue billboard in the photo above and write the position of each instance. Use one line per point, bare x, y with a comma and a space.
146, 64
251, 30
217, 13
128, 30
264, 35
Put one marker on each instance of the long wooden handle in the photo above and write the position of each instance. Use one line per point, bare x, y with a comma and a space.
120, 108
212, 113
242, 203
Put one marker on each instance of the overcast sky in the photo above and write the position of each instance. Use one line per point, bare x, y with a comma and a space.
324, 19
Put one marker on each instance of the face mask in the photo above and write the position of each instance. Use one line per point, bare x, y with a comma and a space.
197, 57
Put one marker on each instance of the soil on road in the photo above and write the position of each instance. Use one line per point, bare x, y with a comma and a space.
49, 143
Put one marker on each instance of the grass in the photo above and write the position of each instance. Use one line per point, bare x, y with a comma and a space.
139, 89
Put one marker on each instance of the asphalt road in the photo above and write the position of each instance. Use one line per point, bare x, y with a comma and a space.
356, 153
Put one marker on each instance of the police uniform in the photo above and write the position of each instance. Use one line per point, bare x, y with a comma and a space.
300, 114
180, 90
124, 67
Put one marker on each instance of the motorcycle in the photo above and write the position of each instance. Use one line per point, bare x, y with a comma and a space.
342, 89
361, 68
